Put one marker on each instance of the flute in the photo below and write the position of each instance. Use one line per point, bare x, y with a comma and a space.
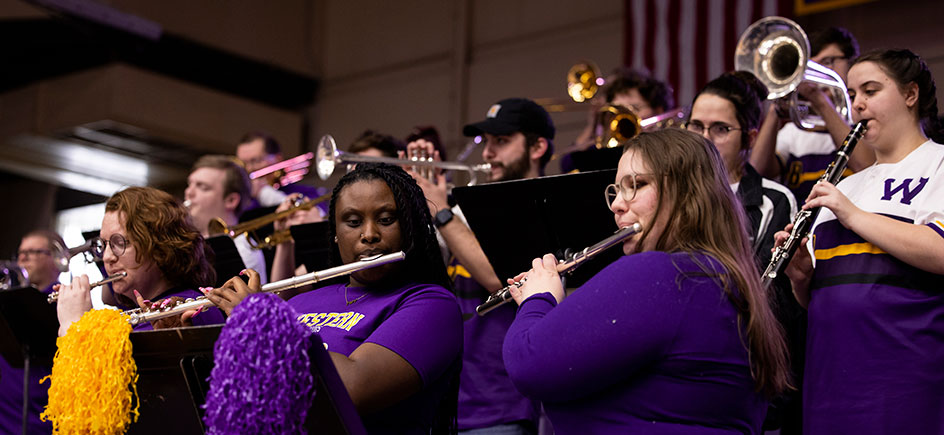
503, 296
137, 316
803, 221
54, 296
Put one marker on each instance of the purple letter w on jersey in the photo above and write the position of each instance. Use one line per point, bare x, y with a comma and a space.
907, 194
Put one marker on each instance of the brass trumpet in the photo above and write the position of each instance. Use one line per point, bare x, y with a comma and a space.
54, 296
217, 226
137, 316
328, 157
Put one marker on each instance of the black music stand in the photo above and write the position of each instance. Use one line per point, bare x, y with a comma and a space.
173, 367
312, 245
28, 327
175, 364
227, 261
594, 159
517, 221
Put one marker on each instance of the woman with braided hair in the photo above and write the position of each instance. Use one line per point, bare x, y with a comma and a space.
394, 332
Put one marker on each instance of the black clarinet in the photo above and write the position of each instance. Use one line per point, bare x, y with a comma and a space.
803, 221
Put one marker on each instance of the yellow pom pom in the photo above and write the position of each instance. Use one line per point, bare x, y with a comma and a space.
91, 375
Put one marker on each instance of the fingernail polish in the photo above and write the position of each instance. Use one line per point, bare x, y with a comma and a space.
137, 294
243, 272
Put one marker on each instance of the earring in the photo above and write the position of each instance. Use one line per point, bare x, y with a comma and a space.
335, 239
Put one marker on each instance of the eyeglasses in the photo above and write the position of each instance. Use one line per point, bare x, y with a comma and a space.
32, 252
627, 188
117, 242
717, 131
828, 62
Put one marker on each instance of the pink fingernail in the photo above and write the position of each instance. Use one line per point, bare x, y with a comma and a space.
243, 272
136, 294
147, 301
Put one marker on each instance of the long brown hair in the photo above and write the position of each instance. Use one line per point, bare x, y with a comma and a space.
161, 230
705, 216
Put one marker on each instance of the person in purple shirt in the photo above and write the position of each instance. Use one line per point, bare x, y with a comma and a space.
871, 276
675, 337
35, 256
148, 235
394, 332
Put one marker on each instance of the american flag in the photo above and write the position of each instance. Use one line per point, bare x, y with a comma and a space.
686, 43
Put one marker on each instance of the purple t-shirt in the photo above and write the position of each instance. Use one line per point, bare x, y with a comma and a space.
645, 346
419, 322
11, 396
486, 395
213, 316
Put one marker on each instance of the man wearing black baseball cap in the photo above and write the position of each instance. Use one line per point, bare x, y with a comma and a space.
518, 137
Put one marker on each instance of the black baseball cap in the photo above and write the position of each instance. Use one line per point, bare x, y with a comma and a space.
513, 115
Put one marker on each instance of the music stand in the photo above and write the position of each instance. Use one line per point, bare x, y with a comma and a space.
28, 327
312, 246
173, 367
594, 159
175, 364
227, 261
539, 216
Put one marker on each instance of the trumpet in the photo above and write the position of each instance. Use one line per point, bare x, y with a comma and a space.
137, 316
503, 296
328, 157
217, 226
777, 51
54, 296
61, 255
803, 221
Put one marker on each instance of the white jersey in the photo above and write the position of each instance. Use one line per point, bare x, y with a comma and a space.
252, 258
911, 190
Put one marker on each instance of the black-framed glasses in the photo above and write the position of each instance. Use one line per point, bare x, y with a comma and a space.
32, 252
117, 243
829, 61
627, 188
716, 131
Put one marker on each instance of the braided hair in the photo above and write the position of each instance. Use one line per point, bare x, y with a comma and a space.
424, 262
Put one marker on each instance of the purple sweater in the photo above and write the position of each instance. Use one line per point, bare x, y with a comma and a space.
640, 348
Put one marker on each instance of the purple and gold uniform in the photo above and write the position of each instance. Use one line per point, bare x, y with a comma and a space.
805, 156
419, 322
875, 345
648, 345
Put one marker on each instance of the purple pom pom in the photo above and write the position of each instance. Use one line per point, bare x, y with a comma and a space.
262, 380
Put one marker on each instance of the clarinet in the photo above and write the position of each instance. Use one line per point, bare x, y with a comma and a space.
803, 221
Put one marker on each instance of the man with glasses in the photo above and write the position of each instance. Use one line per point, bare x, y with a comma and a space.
35, 255
798, 157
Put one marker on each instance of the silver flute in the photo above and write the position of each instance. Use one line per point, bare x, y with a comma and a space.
138, 315
803, 221
503, 296
54, 296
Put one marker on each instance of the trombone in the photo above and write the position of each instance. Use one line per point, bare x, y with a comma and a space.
328, 157
614, 125
217, 226
777, 51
